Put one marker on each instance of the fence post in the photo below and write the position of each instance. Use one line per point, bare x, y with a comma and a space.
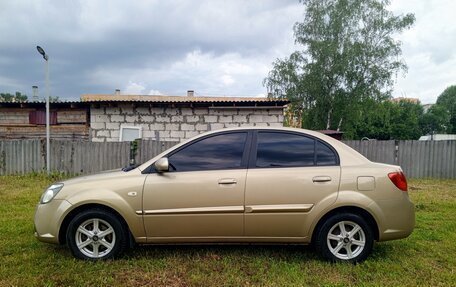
43, 153
2, 159
133, 151
396, 152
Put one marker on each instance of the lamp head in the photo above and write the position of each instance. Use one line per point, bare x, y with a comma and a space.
41, 51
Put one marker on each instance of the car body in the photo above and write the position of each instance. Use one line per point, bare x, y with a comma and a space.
275, 185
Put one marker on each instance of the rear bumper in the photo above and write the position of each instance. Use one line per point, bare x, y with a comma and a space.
48, 218
398, 219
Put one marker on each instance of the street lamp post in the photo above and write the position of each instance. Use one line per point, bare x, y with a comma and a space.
48, 133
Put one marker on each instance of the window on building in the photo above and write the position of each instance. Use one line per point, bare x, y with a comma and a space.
130, 133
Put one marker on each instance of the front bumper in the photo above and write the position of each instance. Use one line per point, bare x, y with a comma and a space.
48, 218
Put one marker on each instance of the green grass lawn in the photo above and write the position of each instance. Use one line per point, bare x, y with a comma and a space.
427, 257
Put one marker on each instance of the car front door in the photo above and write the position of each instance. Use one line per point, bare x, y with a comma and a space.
289, 174
202, 195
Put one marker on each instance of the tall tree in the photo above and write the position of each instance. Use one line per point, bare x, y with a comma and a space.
447, 102
436, 120
388, 120
405, 121
348, 55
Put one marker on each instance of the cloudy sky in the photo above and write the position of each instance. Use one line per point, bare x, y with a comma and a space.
210, 46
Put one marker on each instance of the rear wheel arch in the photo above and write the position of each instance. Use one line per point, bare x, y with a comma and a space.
66, 221
351, 210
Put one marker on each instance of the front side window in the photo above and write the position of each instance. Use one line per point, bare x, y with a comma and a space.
284, 150
223, 151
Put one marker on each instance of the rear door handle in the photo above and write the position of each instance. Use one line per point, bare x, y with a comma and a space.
321, 179
227, 181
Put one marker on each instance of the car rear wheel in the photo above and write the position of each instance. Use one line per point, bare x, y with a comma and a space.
345, 237
96, 234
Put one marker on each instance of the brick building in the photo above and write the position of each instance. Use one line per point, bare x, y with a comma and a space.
174, 118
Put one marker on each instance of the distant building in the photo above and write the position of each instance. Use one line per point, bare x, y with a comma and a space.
116, 117
437, 137
332, 133
27, 120
175, 118
426, 107
410, 100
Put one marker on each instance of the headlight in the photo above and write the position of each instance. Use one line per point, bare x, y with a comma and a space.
50, 192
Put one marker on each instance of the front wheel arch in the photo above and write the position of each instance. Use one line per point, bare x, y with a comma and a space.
66, 221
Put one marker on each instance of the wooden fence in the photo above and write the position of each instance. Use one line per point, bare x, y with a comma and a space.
419, 159
73, 157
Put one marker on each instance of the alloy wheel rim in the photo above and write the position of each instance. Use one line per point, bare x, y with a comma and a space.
346, 240
95, 238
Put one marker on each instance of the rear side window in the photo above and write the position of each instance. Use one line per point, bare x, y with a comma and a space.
223, 151
275, 149
325, 155
284, 150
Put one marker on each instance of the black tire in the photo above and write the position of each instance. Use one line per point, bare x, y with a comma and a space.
339, 249
102, 242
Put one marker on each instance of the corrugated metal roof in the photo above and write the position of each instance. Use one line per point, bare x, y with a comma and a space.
177, 99
329, 132
41, 102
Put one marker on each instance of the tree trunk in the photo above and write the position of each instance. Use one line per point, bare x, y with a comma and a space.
328, 119
340, 124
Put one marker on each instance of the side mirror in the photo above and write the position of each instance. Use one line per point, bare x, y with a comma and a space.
162, 165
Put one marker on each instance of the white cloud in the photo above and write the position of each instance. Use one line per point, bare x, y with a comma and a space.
154, 93
205, 73
133, 88
227, 80
428, 48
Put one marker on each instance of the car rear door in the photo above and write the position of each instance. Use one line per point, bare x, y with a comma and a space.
289, 175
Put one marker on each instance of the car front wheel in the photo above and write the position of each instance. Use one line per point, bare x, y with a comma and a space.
345, 237
96, 234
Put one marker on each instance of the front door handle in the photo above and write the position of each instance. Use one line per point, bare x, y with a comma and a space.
227, 181
321, 179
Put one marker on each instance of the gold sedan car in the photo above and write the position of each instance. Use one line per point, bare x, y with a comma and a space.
235, 185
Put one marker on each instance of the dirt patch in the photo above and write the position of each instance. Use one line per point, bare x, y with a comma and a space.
144, 278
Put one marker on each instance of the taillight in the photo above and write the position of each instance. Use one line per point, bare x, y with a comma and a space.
399, 180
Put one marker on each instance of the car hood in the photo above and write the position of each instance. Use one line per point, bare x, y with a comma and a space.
111, 179
108, 174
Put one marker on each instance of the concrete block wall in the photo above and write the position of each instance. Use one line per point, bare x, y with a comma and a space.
175, 124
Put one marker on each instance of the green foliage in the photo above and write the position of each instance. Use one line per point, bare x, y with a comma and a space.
435, 120
387, 120
348, 56
446, 102
17, 97
405, 119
